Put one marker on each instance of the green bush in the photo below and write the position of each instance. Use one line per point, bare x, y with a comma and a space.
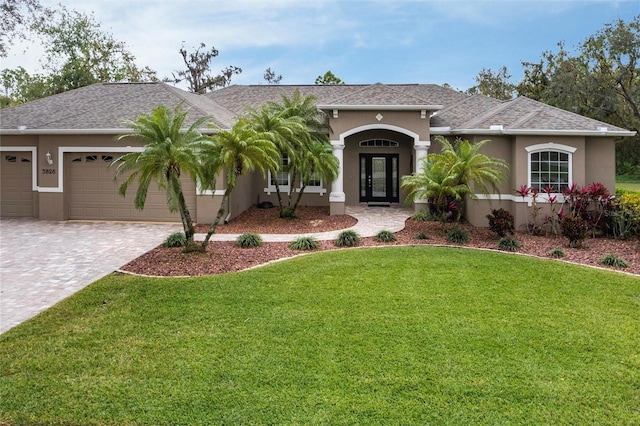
177, 239
249, 240
557, 253
385, 237
304, 243
348, 239
457, 235
625, 218
575, 229
423, 216
508, 244
501, 222
288, 213
613, 260
422, 236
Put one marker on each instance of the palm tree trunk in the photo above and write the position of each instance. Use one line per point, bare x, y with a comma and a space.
295, 206
187, 222
214, 224
274, 176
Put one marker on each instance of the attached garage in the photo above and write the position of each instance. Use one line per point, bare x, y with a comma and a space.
16, 184
92, 193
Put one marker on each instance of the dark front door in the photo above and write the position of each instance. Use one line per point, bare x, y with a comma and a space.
379, 180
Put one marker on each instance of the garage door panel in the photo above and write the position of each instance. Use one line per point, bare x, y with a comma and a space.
93, 193
16, 186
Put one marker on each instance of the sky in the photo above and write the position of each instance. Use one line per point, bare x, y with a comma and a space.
360, 41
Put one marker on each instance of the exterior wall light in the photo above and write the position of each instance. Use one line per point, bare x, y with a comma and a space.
49, 158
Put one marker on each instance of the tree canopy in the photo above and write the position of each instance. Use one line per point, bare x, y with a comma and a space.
78, 53
198, 70
328, 78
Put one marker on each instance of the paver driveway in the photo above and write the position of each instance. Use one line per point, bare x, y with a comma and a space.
43, 262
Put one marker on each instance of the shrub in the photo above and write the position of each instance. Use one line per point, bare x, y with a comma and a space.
304, 243
249, 240
575, 229
501, 222
613, 260
177, 239
348, 239
385, 237
423, 216
625, 218
422, 236
557, 253
288, 212
457, 235
508, 244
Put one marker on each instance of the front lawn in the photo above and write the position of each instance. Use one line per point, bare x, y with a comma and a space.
628, 183
393, 335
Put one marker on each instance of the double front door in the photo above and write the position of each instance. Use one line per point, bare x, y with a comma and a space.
379, 180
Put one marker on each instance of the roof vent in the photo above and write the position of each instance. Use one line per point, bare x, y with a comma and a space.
496, 127
22, 128
602, 129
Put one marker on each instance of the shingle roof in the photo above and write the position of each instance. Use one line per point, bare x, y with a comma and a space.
526, 114
106, 106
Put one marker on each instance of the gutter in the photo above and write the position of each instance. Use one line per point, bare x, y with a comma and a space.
534, 132
23, 130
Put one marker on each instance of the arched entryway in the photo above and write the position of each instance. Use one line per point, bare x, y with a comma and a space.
373, 160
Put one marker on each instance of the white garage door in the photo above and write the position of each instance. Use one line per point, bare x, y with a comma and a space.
16, 190
93, 194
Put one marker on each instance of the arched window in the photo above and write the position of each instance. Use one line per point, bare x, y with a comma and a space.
550, 165
379, 143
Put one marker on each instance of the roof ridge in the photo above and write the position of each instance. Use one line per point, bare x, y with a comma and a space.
384, 86
491, 112
184, 95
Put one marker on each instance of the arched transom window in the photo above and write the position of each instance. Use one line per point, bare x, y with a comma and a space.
379, 143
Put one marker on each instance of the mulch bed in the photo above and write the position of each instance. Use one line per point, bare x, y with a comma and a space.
223, 257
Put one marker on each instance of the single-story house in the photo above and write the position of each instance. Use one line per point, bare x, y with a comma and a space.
55, 151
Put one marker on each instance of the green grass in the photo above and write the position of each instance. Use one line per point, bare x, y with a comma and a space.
628, 183
394, 335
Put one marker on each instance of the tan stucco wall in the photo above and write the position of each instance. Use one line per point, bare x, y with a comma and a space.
409, 120
600, 162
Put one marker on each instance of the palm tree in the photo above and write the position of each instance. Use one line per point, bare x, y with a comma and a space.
236, 151
472, 167
283, 132
449, 175
318, 162
168, 152
313, 135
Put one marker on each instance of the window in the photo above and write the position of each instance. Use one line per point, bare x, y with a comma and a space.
379, 143
550, 165
282, 178
314, 184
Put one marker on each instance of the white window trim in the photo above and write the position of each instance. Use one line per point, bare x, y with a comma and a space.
310, 189
550, 146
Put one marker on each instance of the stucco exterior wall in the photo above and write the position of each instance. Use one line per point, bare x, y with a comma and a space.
410, 120
600, 162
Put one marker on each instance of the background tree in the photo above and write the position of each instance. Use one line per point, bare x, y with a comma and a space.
16, 18
169, 151
496, 85
198, 73
235, 152
328, 78
77, 53
271, 77
601, 81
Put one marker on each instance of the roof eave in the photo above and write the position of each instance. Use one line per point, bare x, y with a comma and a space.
343, 107
545, 132
12, 132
